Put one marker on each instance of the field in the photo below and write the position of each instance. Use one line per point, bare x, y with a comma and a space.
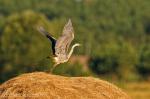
42, 85
137, 90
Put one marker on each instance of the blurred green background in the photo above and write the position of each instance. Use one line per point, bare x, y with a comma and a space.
115, 37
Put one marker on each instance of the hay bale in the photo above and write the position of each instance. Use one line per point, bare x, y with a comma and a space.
41, 85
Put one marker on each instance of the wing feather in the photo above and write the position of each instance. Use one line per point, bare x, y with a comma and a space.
51, 38
64, 41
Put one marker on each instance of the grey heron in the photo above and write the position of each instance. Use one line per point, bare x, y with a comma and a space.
61, 45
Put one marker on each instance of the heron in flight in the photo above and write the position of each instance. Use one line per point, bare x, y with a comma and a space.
61, 45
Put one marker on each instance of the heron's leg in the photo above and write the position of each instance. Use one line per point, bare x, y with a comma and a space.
53, 67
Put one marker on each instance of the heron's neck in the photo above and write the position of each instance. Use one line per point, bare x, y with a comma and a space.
72, 49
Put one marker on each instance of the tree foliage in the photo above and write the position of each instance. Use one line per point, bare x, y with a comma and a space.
115, 34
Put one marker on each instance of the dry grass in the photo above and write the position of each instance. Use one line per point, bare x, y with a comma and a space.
138, 90
40, 85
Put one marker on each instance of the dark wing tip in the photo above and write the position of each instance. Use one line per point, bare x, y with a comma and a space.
42, 30
51, 38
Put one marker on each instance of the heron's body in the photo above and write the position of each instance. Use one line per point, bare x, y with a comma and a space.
61, 45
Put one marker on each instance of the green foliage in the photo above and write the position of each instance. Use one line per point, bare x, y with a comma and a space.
117, 58
144, 62
71, 70
22, 46
115, 34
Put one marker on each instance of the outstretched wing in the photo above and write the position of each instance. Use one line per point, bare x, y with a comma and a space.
51, 38
64, 41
